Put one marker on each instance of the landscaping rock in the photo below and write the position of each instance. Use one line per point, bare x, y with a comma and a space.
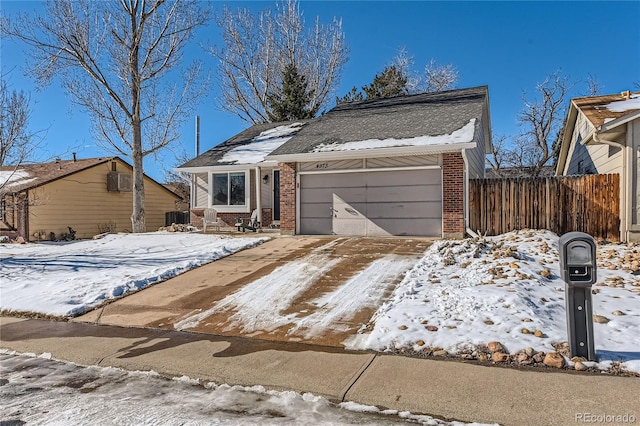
538, 357
554, 359
538, 333
529, 351
579, 366
523, 359
495, 347
440, 352
431, 328
500, 357
618, 313
600, 319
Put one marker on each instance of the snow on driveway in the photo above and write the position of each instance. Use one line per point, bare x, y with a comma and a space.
278, 290
73, 277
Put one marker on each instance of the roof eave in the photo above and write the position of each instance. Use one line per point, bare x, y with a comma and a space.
373, 152
226, 167
572, 116
606, 127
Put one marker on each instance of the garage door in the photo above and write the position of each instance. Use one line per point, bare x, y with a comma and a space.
376, 203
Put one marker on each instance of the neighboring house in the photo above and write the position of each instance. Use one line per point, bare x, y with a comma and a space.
394, 166
89, 195
518, 172
602, 135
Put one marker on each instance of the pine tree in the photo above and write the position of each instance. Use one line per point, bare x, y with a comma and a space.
293, 101
353, 96
389, 83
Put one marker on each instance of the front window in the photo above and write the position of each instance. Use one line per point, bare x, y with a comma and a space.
229, 189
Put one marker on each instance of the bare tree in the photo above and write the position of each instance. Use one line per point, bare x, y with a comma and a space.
541, 123
257, 50
17, 142
119, 61
498, 156
439, 78
593, 86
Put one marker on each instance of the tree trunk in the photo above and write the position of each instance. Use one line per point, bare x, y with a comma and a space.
137, 216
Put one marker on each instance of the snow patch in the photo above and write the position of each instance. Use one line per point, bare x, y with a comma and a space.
262, 145
462, 135
626, 105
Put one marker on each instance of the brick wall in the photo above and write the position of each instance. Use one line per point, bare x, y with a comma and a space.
453, 225
288, 198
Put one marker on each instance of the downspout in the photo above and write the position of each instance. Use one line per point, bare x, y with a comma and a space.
625, 190
258, 194
466, 194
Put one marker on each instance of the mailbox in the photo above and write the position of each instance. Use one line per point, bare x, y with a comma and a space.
579, 271
578, 259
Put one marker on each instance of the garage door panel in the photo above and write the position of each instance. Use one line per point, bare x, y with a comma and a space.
314, 195
404, 177
337, 180
349, 227
404, 210
404, 193
382, 203
316, 226
315, 210
424, 227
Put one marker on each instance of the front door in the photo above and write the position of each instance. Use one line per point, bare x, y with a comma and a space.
276, 195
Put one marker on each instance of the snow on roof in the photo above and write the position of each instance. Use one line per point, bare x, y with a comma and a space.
462, 135
262, 145
626, 105
15, 177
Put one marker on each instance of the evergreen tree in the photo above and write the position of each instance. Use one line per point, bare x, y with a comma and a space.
389, 83
293, 100
353, 96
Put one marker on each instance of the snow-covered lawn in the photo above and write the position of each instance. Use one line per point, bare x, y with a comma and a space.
70, 278
464, 294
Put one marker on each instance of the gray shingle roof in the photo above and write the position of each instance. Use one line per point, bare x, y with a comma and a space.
428, 114
214, 156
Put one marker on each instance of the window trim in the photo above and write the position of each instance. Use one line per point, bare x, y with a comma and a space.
230, 208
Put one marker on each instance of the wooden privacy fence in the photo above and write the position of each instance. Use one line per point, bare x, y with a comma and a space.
560, 204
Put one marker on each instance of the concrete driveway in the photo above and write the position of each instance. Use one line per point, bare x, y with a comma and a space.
316, 290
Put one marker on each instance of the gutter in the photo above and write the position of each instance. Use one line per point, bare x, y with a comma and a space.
466, 190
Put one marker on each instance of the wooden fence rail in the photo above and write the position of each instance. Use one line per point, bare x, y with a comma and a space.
561, 204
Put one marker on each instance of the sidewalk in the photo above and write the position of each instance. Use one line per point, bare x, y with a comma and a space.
445, 389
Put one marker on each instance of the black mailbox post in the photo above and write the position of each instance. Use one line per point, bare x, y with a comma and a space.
579, 272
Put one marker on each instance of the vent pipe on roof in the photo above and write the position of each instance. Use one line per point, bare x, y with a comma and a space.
74, 157
197, 135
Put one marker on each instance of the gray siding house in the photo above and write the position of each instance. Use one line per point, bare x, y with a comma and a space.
393, 166
602, 135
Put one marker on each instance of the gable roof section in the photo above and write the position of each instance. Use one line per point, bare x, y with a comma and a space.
247, 147
600, 110
605, 113
30, 176
430, 119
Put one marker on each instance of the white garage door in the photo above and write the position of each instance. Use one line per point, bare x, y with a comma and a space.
379, 203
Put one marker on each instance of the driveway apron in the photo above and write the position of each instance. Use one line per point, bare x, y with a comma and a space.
318, 290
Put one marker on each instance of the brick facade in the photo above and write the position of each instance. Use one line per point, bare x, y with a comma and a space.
453, 225
287, 198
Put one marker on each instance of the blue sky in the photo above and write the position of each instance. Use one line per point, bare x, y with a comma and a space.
508, 45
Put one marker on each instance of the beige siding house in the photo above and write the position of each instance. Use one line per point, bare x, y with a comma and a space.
382, 167
602, 135
89, 195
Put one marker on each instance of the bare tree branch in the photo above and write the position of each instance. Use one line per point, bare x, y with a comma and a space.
119, 62
257, 49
